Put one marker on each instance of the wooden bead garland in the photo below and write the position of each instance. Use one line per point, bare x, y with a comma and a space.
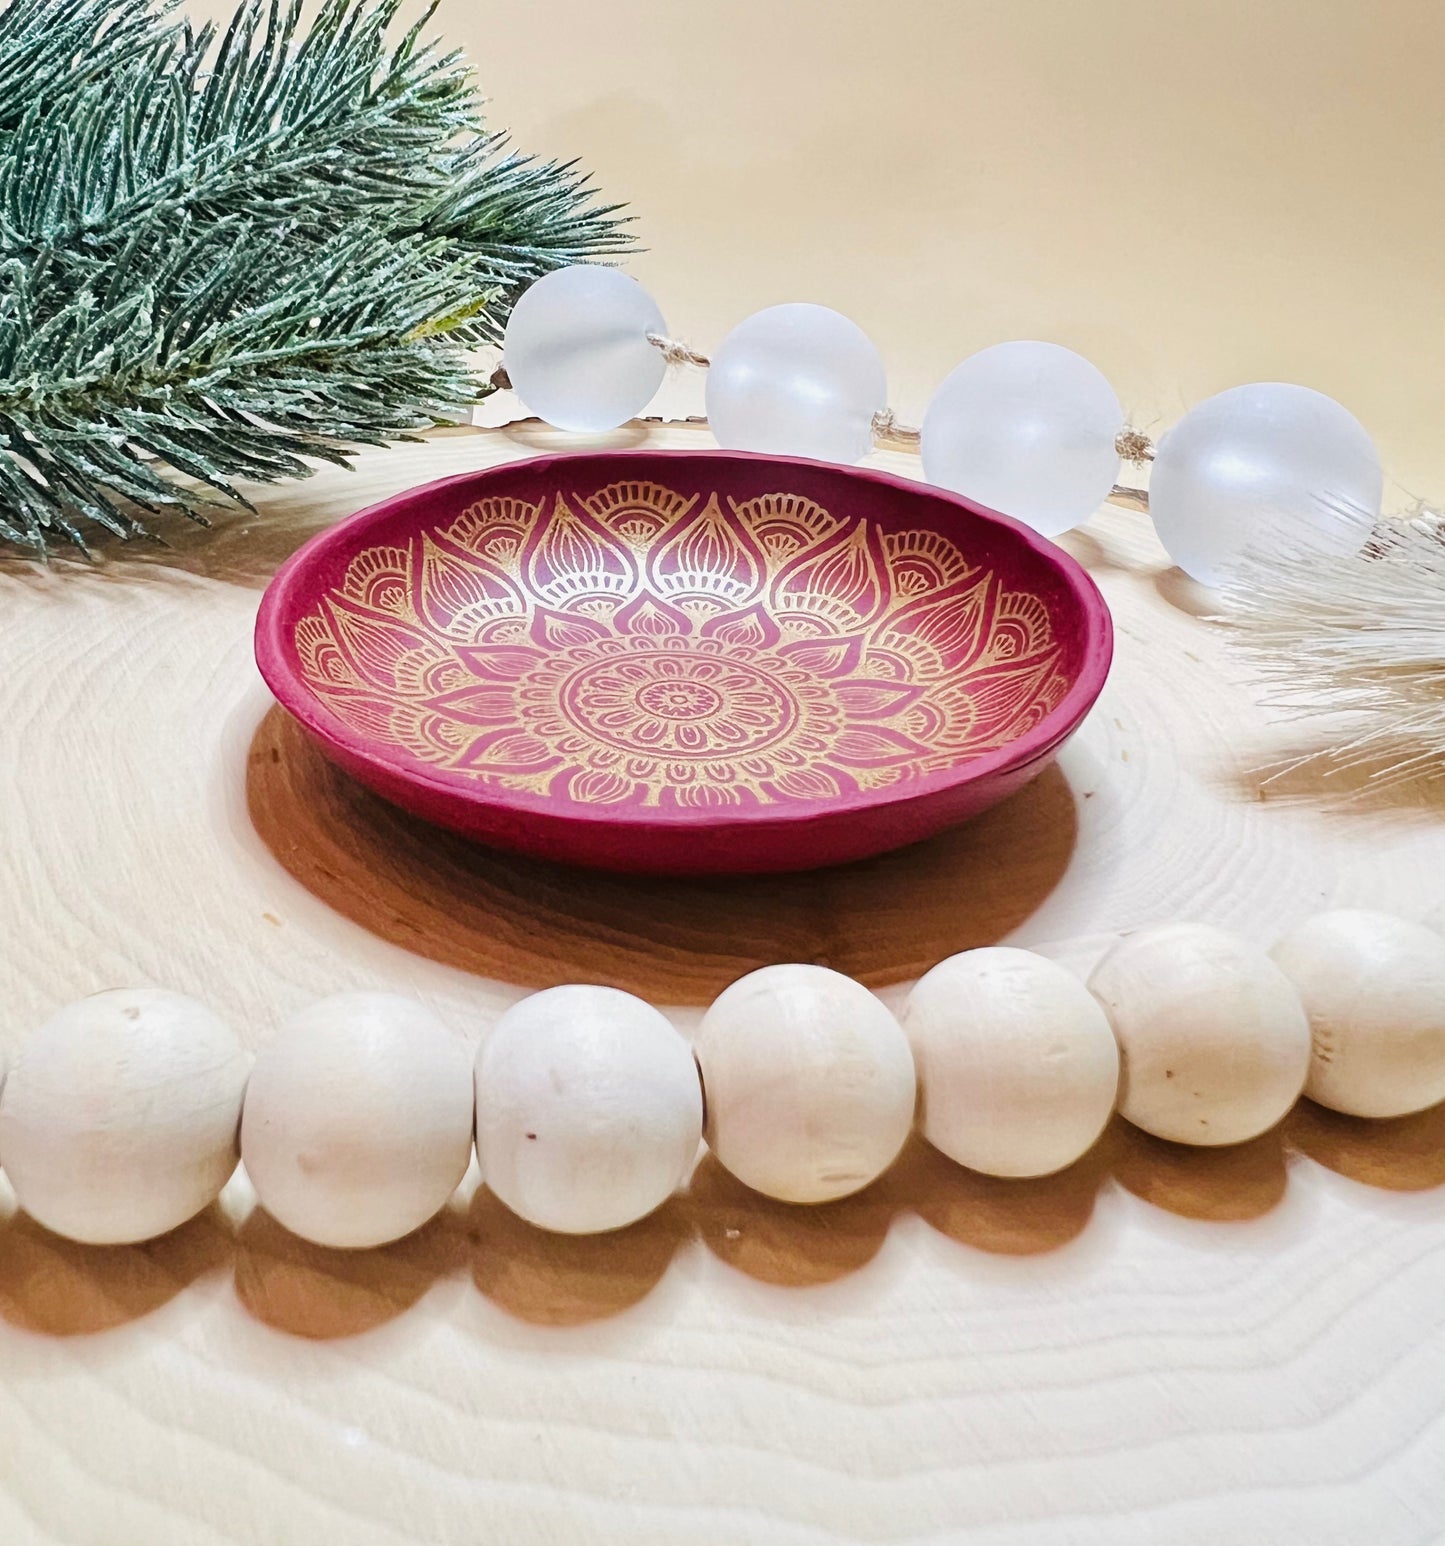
119, 1116
589, 1111
1018, 1069
809, 1080
358, 1120
1214, 1042
1374, 989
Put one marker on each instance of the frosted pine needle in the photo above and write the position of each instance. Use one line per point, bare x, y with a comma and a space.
231, 254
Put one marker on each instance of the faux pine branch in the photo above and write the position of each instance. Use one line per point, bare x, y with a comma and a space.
222, 255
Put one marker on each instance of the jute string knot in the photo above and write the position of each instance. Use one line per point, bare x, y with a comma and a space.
887, 427
675, 352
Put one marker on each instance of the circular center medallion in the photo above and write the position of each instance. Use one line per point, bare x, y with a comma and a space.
678, 700
676, 703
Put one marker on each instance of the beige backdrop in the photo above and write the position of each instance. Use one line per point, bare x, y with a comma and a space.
1193, 193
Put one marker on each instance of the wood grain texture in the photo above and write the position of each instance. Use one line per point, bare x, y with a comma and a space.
1154, 1347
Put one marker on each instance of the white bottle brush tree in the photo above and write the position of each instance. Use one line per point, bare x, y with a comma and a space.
226, 254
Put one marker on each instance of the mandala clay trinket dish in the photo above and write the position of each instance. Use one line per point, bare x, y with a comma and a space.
686, 662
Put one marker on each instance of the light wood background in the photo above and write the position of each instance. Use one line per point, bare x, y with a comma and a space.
1156, 1347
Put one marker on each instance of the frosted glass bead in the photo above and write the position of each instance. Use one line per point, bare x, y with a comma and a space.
1017, 1065
1028, 429
797, 380
589, 1109
1268, 468
358, 1120
809, 1081
1214, 1040
118, 1118
576, 348
1374, 988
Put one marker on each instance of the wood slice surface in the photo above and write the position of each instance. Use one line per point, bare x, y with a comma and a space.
1157, 1346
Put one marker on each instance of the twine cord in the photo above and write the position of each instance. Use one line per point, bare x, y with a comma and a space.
675, 352
1133, 446
887, 428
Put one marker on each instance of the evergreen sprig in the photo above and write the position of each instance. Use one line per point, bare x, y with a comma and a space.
225, 254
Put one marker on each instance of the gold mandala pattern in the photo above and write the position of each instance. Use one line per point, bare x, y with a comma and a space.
640, 646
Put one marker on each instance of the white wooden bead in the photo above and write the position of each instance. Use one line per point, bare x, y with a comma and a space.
1017, 1066
358, 1121
589, 1109
809, 1081
1373, 986
118, 1118
1214, 1040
